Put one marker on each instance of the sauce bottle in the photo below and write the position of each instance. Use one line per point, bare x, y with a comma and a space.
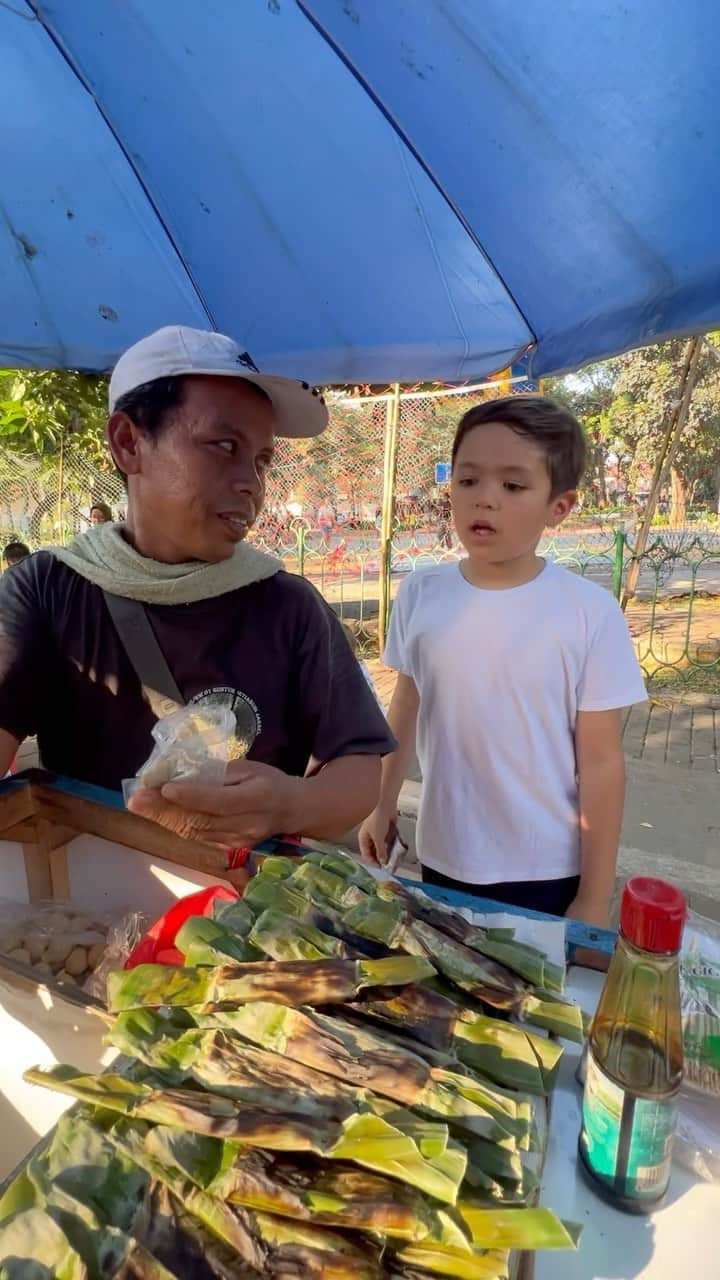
635, 1062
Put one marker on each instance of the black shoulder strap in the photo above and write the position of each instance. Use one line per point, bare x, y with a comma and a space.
141, 646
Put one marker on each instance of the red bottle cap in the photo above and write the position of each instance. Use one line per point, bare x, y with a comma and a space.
652, 914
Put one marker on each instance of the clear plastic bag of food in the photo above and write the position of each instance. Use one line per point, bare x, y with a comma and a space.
193, 744
700, 1004
697, 1134
54, 938
697, 1137
122, 938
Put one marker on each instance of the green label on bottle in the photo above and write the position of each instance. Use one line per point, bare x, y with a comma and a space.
626, 1140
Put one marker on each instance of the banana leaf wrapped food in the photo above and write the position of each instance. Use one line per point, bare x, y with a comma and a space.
322, 1091
321, 982
502, 973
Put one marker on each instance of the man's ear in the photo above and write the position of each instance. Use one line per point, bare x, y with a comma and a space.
124, 439
560, 507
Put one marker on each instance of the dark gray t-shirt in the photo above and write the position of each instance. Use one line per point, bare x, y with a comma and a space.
274, 651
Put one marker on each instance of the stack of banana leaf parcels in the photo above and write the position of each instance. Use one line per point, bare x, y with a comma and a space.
345, 1079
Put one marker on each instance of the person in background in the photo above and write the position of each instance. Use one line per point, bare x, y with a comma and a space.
513, 671
100, 513
14, 553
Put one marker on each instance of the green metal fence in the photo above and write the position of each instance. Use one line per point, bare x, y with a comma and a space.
357, 508
673, 617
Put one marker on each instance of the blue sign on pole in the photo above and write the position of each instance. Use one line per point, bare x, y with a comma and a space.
442, 472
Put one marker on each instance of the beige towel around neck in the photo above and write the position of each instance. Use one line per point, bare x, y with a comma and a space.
104, 557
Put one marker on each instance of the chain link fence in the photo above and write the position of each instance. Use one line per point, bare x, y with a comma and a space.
359, 507
46, 501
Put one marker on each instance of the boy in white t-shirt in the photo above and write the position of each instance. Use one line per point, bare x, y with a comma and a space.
512, 674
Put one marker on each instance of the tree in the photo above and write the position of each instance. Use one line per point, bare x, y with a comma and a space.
590, 395
624, 405
52, 425
40, 410
646, 393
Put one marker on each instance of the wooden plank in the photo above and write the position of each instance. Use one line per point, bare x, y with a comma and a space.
127, 829
55, 836
591, 958
59, 872
37, 872
27, 833
16, 804
22, 832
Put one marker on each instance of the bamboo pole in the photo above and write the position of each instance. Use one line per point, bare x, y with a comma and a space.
387, 516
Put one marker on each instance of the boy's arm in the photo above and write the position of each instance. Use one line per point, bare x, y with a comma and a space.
402, 718
601, 786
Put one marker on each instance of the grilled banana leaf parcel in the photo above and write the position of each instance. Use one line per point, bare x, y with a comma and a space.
294, 982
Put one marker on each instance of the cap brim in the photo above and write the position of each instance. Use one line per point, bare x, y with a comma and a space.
299, 410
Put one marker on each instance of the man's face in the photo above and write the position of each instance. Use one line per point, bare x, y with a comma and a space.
501, 494
196, 488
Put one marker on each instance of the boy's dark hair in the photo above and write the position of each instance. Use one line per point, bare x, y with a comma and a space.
15, 552
103, 508
550, 424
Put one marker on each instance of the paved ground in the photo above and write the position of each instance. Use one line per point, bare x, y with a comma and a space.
664, 731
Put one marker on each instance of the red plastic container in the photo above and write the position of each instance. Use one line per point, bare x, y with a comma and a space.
157, 946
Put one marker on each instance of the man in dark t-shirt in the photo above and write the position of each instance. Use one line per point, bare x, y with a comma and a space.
191, 428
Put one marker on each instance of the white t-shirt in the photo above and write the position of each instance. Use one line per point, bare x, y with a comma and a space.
501, 676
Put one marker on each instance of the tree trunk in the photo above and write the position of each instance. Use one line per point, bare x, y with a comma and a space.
678, 498
673, 431
600, 469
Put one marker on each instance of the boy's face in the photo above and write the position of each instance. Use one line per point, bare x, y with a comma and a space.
501, 494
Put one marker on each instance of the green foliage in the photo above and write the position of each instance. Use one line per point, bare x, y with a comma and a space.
625, 404
40, 409
646, 391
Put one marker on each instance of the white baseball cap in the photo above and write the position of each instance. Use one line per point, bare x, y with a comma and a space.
299, 409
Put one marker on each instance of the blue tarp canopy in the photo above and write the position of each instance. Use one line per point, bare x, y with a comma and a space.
358, 190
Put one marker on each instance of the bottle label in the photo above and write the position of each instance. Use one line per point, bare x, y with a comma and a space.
627, 1140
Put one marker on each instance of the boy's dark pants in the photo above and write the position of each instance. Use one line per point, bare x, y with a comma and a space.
551, 896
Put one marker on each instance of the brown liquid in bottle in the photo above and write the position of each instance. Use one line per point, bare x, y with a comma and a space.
635, 1061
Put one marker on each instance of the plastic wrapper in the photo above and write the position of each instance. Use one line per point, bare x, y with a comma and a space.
700, 1005
697, 1136
122, 939
193, 744
55, 939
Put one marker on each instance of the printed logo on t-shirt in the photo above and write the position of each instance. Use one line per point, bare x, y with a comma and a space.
248, 721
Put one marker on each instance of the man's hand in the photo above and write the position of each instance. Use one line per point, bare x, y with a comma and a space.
589, 910
373, 836
255, 802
